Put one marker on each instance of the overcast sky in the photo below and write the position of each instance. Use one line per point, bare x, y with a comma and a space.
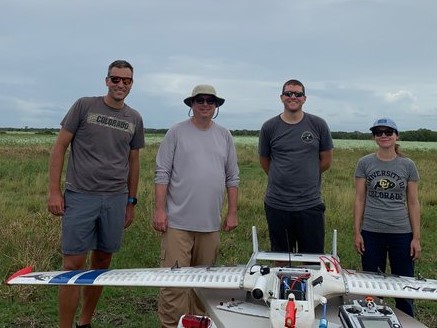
359, 59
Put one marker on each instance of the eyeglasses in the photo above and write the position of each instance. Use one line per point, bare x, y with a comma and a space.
379, 133
117, 79
291, 93
201, 101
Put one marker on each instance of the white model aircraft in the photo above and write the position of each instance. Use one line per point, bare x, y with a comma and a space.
289, 296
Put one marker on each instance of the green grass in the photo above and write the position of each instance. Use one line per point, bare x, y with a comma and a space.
30, 236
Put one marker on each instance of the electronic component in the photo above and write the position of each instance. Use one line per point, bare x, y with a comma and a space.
367, 314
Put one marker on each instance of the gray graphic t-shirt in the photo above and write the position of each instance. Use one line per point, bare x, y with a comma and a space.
386, 190
294, 179
103, 138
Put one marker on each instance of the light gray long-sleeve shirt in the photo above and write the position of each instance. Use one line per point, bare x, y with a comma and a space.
196, 165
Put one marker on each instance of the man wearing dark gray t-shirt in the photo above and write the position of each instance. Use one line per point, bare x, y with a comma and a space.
295, 147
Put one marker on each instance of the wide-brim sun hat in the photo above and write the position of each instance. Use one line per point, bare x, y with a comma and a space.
203, 89
387, 122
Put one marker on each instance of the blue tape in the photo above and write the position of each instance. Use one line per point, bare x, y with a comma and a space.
64, 278
85, 277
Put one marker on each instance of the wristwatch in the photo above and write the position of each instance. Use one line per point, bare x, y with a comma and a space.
132, 200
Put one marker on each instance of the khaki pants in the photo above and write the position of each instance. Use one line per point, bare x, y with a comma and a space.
188, 248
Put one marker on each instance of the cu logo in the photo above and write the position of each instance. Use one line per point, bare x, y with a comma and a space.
384, 184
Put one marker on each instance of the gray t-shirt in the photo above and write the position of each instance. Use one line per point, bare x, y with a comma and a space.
386, 188
103, 138
197, 165
294, 179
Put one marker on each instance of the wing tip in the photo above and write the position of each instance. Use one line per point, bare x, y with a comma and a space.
21, 272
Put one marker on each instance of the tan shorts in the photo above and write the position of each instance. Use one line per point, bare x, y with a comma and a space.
184, 248
189, 248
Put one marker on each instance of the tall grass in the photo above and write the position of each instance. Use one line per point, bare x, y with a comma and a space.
30, 236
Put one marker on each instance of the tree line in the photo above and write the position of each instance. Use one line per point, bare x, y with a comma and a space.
412, 135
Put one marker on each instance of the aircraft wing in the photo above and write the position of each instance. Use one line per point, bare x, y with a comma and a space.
202, 277
383, 285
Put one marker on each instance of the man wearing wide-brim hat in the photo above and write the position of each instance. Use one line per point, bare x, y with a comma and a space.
195, 164
203, 89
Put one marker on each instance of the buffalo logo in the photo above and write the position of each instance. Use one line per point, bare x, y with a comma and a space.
384, 184
307, 137
44, 277
39, 276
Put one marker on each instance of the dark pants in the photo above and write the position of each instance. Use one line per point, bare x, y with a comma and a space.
299, 231
397, 246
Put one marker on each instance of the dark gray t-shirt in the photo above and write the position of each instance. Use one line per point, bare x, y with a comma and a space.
103, 138
294, 179
386, 193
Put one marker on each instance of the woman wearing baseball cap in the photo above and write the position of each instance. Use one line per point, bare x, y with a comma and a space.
386, 208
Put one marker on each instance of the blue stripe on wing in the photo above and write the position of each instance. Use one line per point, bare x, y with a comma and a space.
85, 277
65, 277
89, 277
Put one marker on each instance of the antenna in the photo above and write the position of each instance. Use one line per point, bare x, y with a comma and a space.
254, 240
289, 250
334, 243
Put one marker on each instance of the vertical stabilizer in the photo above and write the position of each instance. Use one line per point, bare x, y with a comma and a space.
255, 246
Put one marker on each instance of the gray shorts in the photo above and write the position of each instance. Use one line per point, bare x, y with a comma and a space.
92, 222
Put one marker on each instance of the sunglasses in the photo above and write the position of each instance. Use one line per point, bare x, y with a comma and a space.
201, 101
117, 79
291, 93
379, 133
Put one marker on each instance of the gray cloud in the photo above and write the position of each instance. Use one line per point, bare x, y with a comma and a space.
358, 59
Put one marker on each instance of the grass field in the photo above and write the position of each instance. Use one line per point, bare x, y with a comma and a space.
30, 236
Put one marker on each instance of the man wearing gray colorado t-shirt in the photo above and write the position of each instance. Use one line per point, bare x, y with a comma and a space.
104, 135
